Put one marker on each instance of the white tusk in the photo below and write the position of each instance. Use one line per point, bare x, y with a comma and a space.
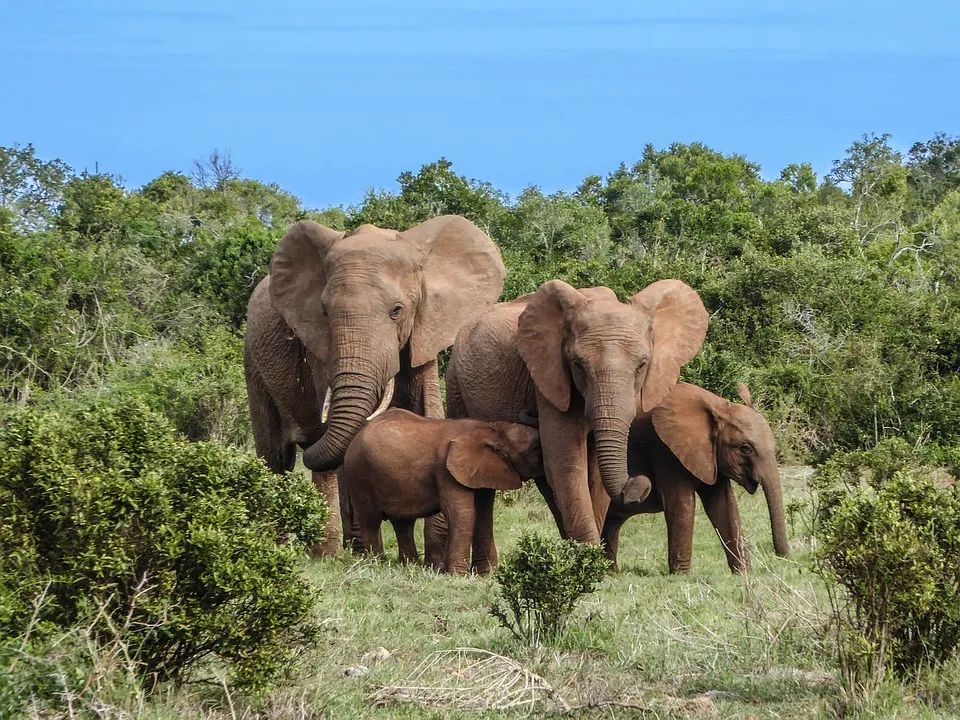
385, 403
326, 405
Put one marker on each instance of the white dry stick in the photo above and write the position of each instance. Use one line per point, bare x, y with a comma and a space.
471, 679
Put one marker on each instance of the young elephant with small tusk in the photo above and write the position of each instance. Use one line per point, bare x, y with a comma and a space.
402, 466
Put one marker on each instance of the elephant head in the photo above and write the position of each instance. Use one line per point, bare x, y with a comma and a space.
717, 439
500, 456
357, 300
620, 358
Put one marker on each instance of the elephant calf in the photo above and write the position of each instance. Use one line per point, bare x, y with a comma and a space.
695, 443
402, 466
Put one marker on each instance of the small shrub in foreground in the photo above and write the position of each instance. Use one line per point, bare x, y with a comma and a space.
187, 550
541, 582
888, 536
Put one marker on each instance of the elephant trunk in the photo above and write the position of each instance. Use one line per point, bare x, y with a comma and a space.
774, 494
611, 425
356, 389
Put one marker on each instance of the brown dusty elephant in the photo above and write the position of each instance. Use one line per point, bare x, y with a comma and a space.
402, 467
586, 364
696, 442
347, 324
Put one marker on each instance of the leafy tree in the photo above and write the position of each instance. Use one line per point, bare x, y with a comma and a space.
30, 189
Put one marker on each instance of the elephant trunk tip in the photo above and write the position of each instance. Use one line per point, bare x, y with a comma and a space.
636, 490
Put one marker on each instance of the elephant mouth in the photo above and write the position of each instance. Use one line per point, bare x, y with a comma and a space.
751, 486
381, 408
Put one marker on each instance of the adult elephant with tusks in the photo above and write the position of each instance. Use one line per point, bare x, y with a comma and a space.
348, 324
586, 364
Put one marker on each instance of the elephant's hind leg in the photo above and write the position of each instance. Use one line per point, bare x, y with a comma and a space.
434, 540
405, 541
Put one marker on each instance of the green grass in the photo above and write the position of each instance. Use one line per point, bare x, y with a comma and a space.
757, 644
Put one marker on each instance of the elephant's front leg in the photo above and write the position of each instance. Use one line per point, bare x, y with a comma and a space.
328, 486
611, 537
599, 497
679, 506
563, 438
721, 507
484, 560
425, 395
458, 505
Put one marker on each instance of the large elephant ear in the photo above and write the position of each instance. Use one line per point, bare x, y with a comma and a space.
686, 422
540, 332
599, 293
475, 464
679, 325
297, 280
462, 274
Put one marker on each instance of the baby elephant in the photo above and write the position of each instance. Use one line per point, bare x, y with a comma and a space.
402, 466
697, 443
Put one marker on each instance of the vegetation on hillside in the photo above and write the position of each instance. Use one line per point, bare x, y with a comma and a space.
137, 532
835, 299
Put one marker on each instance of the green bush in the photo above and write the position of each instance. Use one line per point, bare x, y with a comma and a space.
541, 583
188, 550
888, 534
196, 383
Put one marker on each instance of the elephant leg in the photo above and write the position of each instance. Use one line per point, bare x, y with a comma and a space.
484, 559
425, 392
720, 505
610, 537
352, 539
268, 436
328, 486
564, 443
405, 541
456, 407
551, 503
679, 506
434, 540
458, 506
429, 399
599, 498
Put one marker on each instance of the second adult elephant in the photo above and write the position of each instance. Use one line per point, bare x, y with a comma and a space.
696, 443
586, 364
344, 321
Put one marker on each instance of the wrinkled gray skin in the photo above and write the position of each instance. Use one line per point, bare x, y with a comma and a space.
402, 467
696, 443
347, 313
586, 364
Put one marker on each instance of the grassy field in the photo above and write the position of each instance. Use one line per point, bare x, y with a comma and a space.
646, 644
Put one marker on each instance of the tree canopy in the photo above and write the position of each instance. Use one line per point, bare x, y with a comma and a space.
836, 299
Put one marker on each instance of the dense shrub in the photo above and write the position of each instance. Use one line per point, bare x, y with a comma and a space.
541, 582
888, 533
190, 547
196, 383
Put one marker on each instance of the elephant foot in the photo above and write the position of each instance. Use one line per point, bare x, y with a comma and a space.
328, 548
484, 568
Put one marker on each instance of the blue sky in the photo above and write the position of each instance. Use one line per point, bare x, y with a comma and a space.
329, 99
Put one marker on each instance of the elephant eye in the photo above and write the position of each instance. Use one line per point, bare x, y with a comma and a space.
395, 313
746, 449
